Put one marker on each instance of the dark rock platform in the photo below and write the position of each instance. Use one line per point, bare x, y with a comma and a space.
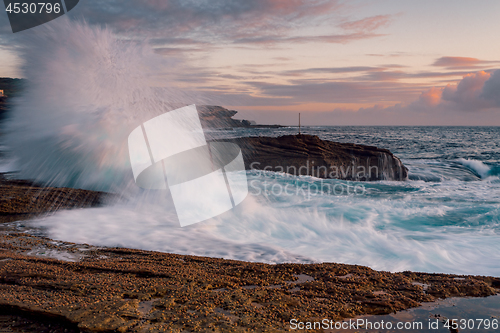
309, 155
22, 199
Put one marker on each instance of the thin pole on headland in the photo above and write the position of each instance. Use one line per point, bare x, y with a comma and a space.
299, 123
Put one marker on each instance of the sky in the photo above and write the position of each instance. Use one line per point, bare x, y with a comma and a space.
361, 62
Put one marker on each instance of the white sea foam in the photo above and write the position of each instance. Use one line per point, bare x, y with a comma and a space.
406, 232
87, 90
479, 167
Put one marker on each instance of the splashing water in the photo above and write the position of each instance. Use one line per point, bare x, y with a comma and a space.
88, 90
478, 167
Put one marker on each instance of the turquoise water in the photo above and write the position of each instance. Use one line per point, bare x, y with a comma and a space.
445, 218
446, 214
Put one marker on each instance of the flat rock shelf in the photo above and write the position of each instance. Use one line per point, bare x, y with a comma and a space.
126, 290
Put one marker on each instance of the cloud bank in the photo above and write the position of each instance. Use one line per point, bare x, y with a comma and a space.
474, 100
226, 21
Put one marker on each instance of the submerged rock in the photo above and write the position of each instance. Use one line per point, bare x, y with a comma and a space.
309, 155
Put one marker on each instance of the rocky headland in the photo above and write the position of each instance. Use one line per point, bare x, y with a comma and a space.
214, 116
11, 87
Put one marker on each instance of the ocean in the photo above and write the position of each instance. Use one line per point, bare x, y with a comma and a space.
444, 218
88, 90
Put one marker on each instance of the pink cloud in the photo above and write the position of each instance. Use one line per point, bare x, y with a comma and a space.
431, 97
491, 88
473, 101
470, 102
368, 24
334, 39
462, 62
467, 102
467, 94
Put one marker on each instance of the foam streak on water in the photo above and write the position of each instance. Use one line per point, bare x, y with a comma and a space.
418, 226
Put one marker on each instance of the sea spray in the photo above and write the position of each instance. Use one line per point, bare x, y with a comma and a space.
87, 90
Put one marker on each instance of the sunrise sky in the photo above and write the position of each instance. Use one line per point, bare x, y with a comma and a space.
365, 62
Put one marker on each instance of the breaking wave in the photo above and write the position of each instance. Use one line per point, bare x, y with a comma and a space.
88, 89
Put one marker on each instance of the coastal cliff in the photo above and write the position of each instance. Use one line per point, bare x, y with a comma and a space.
309, 155
214, 116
